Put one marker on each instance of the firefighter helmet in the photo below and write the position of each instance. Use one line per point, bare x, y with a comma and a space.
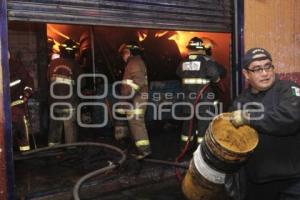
68, 48
134, 47
195, 44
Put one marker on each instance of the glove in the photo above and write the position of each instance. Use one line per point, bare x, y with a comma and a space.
121, 132
239, 118
27, 93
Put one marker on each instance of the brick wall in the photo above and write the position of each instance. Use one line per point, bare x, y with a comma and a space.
290, 76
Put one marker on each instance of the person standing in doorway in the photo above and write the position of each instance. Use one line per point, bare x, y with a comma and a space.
198, 72
135, 87
21, 88
63, 73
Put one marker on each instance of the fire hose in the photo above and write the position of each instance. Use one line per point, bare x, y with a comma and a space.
91, 174
110, 166
183, 152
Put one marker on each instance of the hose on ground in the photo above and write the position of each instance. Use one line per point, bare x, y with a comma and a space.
110, 166
88, 176
91, 174
163, 162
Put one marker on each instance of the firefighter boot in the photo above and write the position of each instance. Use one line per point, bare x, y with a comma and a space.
143, 151
24, 146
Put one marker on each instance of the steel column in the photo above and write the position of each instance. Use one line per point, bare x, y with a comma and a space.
6, 150
238, 48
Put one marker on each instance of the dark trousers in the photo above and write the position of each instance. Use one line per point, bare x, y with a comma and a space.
58, 127
203, 115
275, 190
20, 129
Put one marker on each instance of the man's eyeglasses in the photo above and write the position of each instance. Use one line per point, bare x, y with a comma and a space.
259, 69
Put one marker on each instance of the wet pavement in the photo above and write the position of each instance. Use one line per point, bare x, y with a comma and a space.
52, 175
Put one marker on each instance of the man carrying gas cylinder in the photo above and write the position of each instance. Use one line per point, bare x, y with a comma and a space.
198, 72
272, 107
21, 84
134, 86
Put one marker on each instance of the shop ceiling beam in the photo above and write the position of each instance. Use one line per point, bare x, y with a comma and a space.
204, 15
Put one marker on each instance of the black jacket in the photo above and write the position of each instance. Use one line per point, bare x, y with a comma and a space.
198, 66
277, 155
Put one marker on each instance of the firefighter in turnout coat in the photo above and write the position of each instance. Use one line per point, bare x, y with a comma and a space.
196, 72
134, 85
21, 84
63, 73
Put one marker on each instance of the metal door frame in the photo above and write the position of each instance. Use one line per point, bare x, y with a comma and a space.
6, 151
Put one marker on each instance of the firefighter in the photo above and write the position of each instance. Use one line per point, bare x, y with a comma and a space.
198, 72
135, 87
62, 74
21, 88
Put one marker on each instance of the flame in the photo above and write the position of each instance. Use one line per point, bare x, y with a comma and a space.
51, 28
182, 38
56, 46
160, 34
54, 32
142, 36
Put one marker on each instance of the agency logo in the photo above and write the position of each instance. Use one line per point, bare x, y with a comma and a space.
158, 107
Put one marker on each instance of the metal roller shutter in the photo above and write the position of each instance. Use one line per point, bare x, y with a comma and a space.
200, 15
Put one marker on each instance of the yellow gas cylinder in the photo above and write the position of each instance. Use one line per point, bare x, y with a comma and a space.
224, 149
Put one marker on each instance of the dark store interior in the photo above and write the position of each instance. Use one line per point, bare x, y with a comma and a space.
52, 175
